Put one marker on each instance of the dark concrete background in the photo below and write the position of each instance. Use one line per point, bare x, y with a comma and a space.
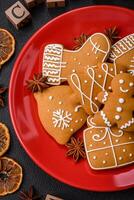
32, 174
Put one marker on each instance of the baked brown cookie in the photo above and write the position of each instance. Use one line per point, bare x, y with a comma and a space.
58, 63
60, 113
107, 147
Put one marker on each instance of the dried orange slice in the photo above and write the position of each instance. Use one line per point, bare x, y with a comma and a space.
4, 139
7, 45
10, 176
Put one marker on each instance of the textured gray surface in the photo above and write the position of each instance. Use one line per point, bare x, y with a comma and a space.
32, 174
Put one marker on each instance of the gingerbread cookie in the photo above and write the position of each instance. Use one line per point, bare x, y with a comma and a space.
122, 53
107, 147
59, 112
58, 63
87, 82
118, 104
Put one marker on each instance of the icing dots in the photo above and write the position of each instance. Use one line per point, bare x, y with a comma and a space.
117, 117
94, 157
50, 98
85, 81
121, 100
119, 109
99, 76
131, 84
104, 161
120, 158
74, 59
73, 71
60, 102
121, 81
130, 155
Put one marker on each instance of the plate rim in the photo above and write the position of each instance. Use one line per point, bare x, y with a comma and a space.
39, 164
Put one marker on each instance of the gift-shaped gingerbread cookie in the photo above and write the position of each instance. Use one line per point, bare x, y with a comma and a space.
107, 147
58, 63
87, 82
59, 112
122, 52
118, 104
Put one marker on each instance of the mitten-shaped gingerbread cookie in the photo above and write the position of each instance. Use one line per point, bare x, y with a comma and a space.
59, 112
58, 63
122, 53
107, 147
87, 82
118, 104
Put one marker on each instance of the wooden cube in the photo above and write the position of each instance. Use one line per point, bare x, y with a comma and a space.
51, 197
55, 3
33, 3
18, 15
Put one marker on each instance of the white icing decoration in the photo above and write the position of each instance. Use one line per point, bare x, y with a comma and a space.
119, 109
106, 154
121, 81
79, 63
71, 129
73, 70
85, 81
105, 97
105, 119
61, 119
76, 121
91, 145
121, 72
123, 90
120, 158
75, 59
104, 142
127, 124
96, 137
130, 155
109, 88
111, 69
96, 98
77, 108
121, 47
124, 150
94, 157
121, 100
99, 76
50, 98
81, 119
104, 162
131, 84
88, 54
116, 140
60, 102
52, 63
117, 117
129, 138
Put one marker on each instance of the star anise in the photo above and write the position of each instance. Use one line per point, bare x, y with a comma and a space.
80, 41
112, 34
37, 84
76, 149
2, 90
29, 195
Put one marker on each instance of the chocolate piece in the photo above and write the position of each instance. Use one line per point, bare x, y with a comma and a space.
51, 197
18, 15
33, 3
55, 3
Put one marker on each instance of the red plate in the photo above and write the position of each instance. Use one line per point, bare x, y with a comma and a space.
38, 144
